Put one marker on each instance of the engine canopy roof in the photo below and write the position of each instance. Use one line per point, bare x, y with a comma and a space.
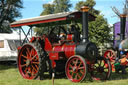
46, 20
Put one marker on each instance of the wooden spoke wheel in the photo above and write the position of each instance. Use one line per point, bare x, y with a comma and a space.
111, 55
101, 69
76, 68
30, 62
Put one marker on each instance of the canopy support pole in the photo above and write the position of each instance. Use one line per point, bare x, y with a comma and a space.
26, 35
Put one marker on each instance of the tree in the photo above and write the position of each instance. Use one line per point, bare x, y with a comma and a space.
56, 7
9, 10
62, 5
99, 30
90, 4
48, 9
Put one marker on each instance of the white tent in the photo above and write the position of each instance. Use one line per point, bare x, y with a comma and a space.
8, 46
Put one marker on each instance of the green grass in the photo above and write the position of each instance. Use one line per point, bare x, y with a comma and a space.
9, 75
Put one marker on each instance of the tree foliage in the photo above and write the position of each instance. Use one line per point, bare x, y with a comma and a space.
9, 10
99, 30
48, 9
62, 5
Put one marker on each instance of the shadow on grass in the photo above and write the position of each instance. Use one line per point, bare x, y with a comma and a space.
57, 76
114, 76
5, 65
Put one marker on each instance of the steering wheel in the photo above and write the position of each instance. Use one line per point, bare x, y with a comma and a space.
55, 33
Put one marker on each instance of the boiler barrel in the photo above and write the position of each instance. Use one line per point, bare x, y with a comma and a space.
124, 44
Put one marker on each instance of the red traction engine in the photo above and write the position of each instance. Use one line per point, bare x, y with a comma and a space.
70, 55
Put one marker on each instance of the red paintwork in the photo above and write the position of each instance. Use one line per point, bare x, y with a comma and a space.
19, 48
32, 39
38, 22
69, 50
48, 45
69, 37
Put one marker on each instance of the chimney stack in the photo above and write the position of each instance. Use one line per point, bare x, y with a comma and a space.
85, 10
122, 26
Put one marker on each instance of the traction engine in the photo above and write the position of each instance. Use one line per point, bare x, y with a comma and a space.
118, 56
62, 52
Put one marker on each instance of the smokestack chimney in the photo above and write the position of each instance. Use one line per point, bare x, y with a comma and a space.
122, 26
85, 10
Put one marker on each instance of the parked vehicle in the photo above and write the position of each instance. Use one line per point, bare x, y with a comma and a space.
8, 46
60, 50
118, 56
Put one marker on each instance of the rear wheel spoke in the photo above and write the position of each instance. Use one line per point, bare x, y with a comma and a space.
35, 62
23, 65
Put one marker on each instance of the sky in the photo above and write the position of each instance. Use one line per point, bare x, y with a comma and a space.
33, 8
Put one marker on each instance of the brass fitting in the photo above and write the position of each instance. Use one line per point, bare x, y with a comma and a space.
123, 15
84, 9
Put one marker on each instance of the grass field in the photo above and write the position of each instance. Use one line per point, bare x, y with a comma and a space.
9, 75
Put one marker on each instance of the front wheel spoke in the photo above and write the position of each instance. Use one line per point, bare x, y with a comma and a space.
75, 77
81, 72
81, 67
72, 74
76, 62
70, 66
80, 64
70, 70
78, 76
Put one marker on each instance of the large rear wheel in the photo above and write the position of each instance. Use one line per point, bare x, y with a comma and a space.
76, 68
31, 61
101, 69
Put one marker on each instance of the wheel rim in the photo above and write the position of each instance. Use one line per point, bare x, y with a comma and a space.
28, 62
101, 69
76, 69
111, 56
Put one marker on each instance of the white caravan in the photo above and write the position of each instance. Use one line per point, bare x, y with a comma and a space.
8, 46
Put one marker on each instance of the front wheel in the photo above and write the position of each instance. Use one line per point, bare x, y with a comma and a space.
76, 68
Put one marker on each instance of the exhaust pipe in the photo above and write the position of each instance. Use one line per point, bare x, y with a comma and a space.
122, 26
85, 10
